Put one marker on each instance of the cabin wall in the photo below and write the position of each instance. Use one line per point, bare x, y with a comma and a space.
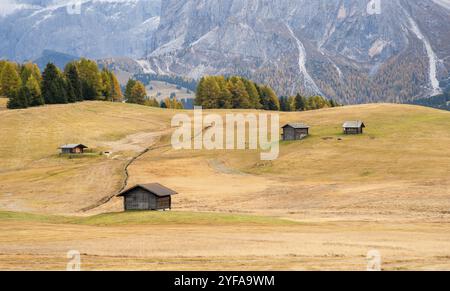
290, 133
139, 199
353, 130
301, 133
164, 202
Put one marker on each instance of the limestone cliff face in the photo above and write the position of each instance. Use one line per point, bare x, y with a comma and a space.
99, 29
338, 48
395, 51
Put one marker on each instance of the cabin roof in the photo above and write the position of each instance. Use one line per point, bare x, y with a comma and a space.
353, 124
155, 188
73, 146
296, 125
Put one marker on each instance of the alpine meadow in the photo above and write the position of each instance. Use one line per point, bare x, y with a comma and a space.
133, 136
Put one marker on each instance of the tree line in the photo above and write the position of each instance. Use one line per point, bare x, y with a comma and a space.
301, 103
441, 101
219, 92
215, 92
26, 86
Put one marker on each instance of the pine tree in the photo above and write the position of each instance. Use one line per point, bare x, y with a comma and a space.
9, 80
28, 69
240, 98
253, 94
300, 103
19, 99
138, 94
269, 98
117, 95
71, 96
129, 87
35, 95
91, 79
225, 94
208, 93
107, 90
54, 89
73, 77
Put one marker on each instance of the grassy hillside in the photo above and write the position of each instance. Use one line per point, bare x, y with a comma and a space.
403, 154
398, 168
33, 175
386, 190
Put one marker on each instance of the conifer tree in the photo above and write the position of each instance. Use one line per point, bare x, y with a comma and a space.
240, 98
253, 94
54, 88
10, 81
73, 77
138, 94
35, 96
270, 99
91, 79
129, 88
106, 86
117, 95
28, 69
19, 99
300, 103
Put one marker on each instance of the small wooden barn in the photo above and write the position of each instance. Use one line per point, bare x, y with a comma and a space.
73, 149
295, 131
353, 127
148, 197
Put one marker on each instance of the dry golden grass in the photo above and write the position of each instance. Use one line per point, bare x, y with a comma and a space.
30, 245
3, 102
386, 190
397, 170
33, 175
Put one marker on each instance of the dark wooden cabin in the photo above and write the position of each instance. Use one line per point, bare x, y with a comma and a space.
295, 131
73, 149
148, 197
353, 127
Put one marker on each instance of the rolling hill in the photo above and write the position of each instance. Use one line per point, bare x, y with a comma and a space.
345, 195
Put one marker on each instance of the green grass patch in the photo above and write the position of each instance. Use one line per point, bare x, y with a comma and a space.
150, 218
29, 217
85, 155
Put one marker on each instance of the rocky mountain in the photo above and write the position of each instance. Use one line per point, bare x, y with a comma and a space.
354, 51
88, 28
59, 59
351, 50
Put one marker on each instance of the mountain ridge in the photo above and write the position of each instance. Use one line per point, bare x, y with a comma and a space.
334, 48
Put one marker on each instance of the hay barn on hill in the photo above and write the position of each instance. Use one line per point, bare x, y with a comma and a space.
148, 197
353, 127
295, 131
73, 149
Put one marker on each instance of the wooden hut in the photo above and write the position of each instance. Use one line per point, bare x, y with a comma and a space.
148, 197
295, 131
73, 149
353, 127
